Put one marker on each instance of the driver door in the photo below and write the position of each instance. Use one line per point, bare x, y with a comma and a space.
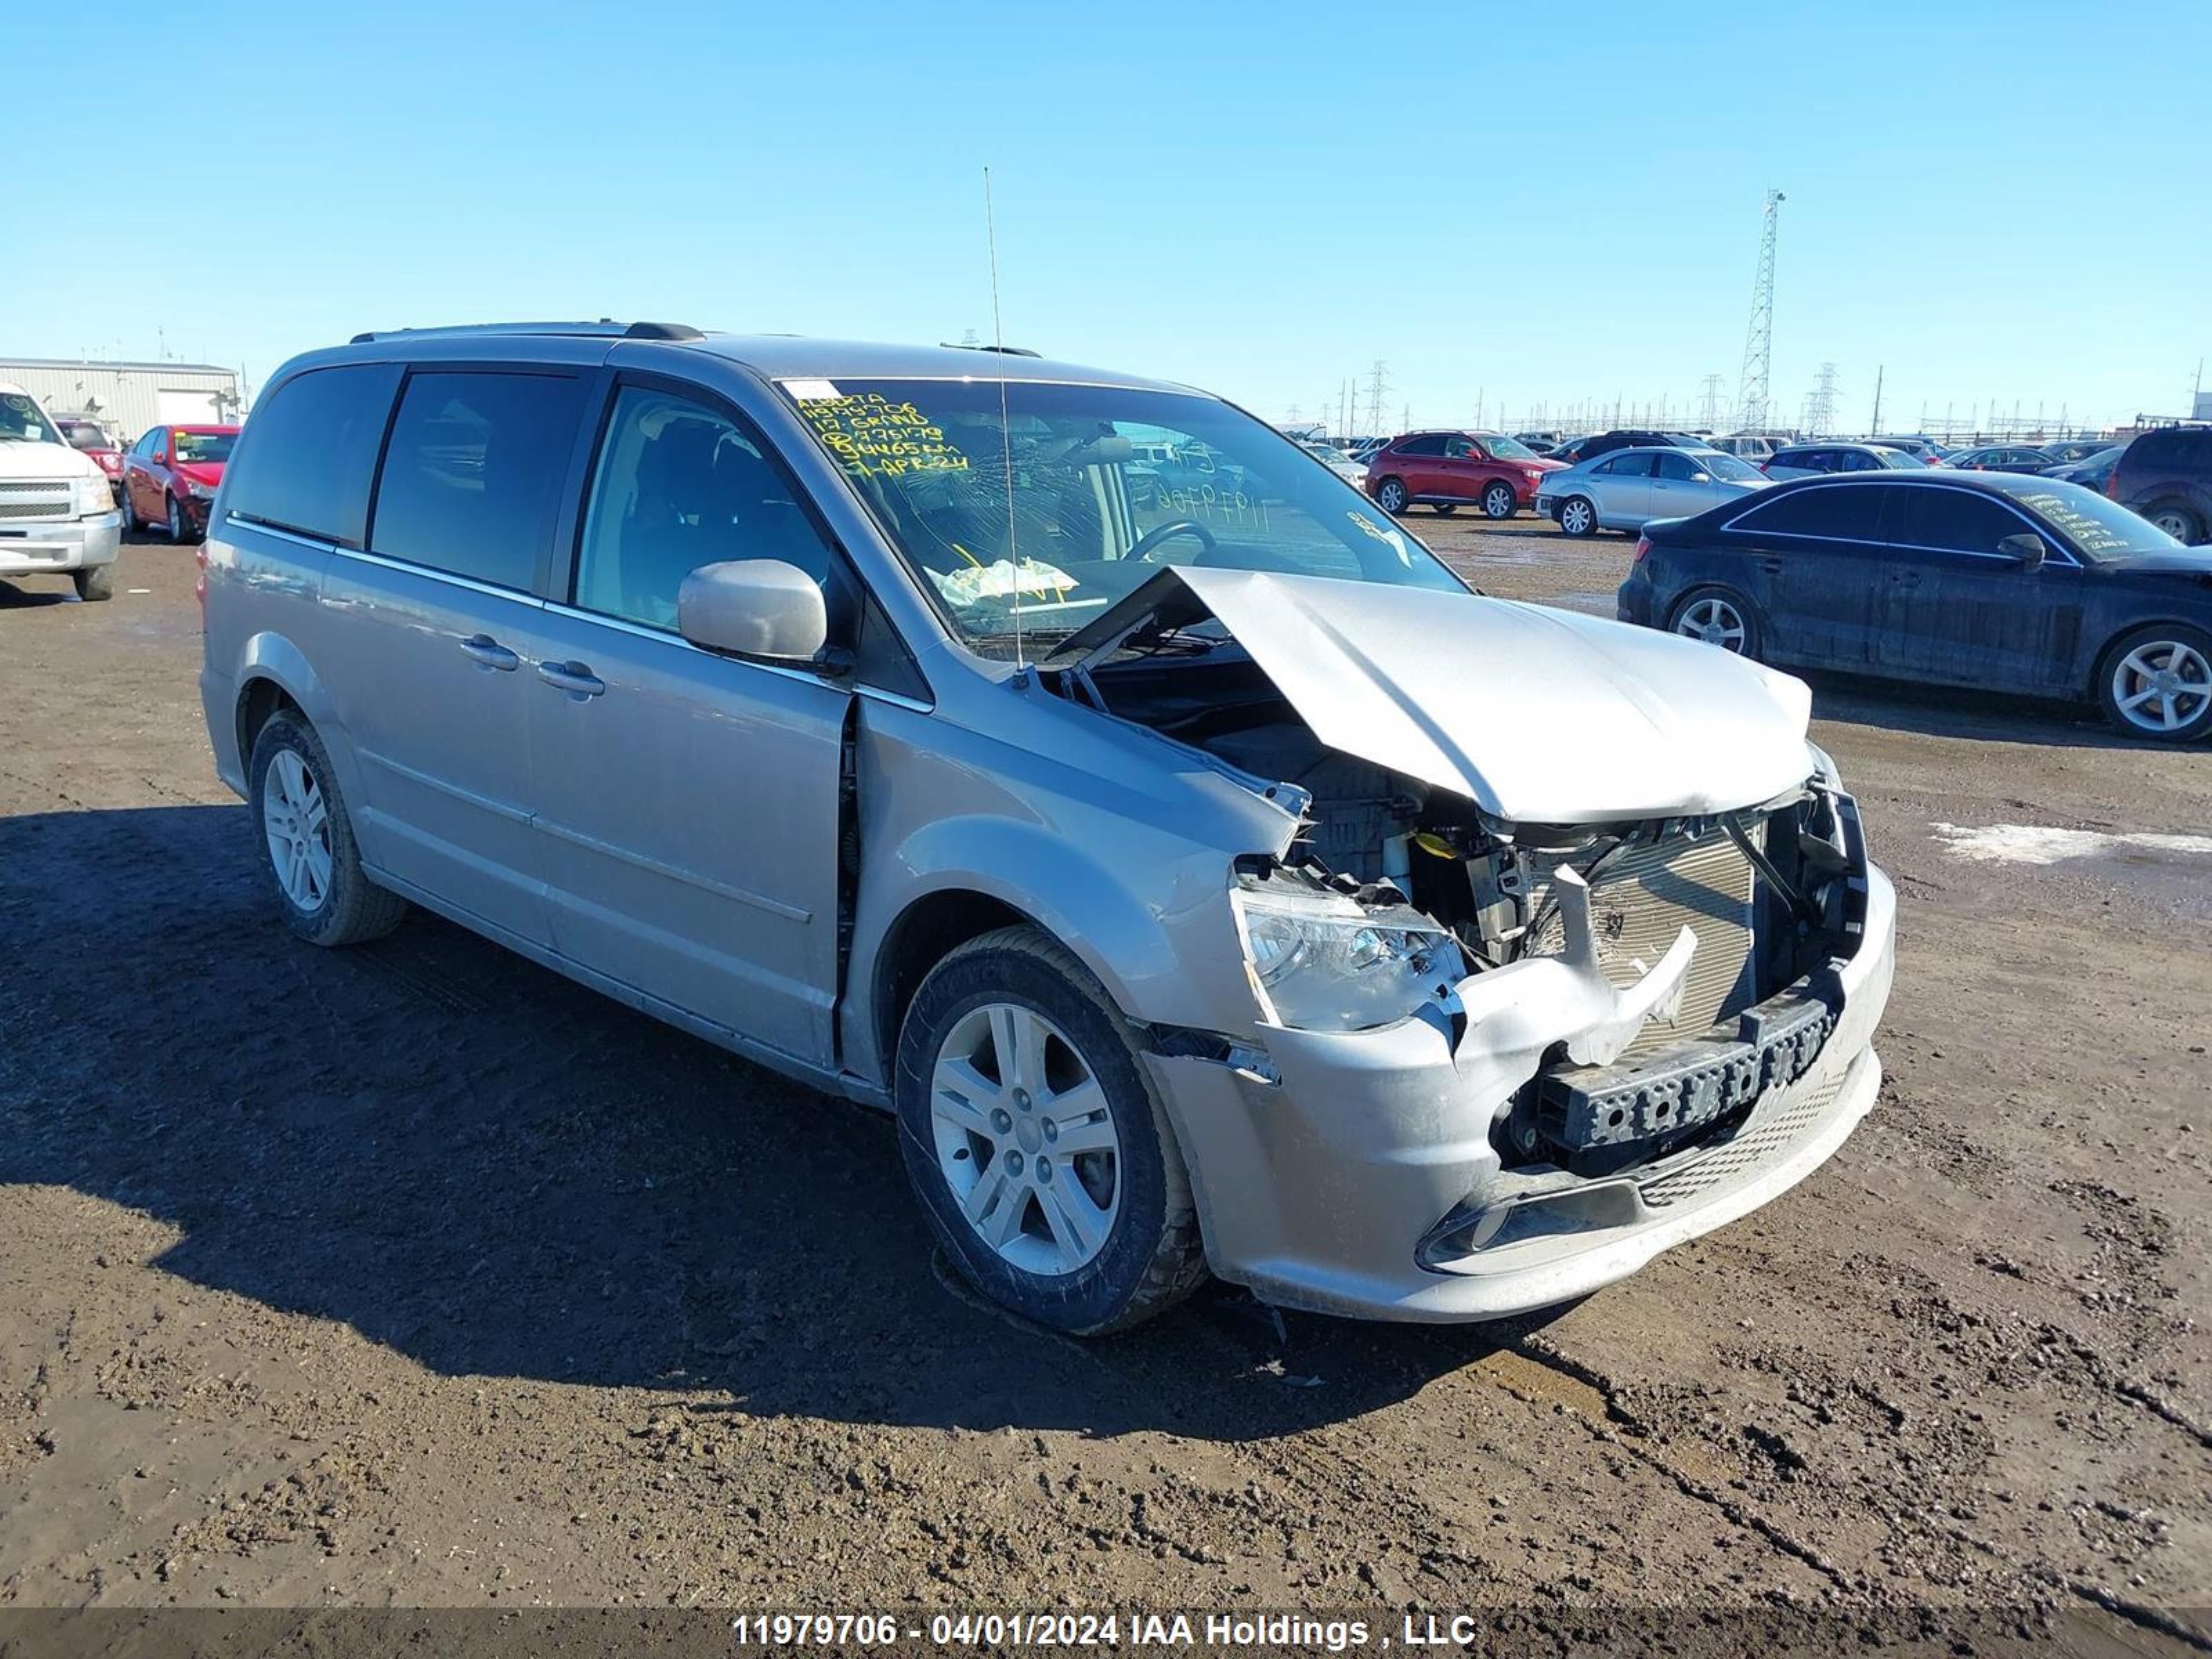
687, 802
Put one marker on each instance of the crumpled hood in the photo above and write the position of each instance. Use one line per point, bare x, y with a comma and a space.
1537, 716
204, 472
21, 460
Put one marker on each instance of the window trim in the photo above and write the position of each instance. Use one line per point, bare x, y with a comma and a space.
544, 556
316, 538
1881, 480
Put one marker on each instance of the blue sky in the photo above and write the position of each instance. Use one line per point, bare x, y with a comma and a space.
1994, 202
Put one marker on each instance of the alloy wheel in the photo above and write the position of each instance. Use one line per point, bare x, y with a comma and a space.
1392, 496
1025, 1139
296, 821
1577, 517
2174, 522
1498, 501
2161, 685
1716, 622
176, 521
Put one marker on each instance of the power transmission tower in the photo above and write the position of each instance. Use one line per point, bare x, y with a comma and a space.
1821, 404
1709, 409
1874, 431
1377, 384
1758, 339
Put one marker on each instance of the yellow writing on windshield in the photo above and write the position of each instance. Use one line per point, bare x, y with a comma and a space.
872, 436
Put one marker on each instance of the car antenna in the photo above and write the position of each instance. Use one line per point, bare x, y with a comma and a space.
1005, 428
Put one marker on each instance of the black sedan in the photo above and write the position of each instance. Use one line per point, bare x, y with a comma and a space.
1989, 579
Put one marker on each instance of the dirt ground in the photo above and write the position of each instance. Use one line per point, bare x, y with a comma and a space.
416, 1275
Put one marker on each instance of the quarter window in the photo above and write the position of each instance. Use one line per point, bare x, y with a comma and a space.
308, 464
1630, 465
472, 476
1847, 512
679, 485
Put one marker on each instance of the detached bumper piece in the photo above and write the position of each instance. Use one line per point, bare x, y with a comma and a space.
1602, 1118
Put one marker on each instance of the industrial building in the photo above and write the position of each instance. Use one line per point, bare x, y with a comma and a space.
128, 397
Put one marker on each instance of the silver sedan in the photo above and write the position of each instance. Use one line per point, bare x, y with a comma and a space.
1625, 489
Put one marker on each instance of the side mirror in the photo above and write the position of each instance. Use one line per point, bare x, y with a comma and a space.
761, 608
2026, 547
1701, 478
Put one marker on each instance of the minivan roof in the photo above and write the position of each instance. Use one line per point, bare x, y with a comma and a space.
780, 357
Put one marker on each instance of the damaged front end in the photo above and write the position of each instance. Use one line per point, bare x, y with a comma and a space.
1507, 1058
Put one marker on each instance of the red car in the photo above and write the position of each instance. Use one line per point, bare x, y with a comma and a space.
1445, 469
169, 479
86, 436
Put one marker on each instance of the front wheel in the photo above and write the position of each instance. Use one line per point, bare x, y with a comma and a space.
2157, 683
1498, 501
1577, 517
1390, 496
307, 843
1717, 618
1043, 1164
176, 525
94, 582
132, 524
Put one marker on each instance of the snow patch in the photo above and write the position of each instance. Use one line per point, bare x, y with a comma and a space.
2031, 843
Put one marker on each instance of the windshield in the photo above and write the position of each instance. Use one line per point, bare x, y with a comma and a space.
1899, 459
1330, 453
22, 421
1109, 483
84, 434
196, 448
2096, 524
1719, 464
1506, 449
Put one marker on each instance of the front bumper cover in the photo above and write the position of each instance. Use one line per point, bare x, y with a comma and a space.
61, 543
1366, 1182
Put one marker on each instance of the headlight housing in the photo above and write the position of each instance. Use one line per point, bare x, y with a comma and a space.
1321, 961
93, 495
200, 492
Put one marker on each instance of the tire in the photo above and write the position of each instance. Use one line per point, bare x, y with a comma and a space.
348, 909
1390, 496
1498, 501
2152, 675
95, 582
1446, 509
131, 526
1720, 617
2178, 520
1578, 516
1143, 1254
175, 526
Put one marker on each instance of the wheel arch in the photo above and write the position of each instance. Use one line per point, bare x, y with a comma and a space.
2100, 660
274, 673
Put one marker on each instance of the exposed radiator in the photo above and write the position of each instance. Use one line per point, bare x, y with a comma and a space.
1642, 899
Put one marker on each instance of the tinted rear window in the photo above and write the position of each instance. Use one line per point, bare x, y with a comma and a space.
1844, 512
2177, 449
306, 462
472, 474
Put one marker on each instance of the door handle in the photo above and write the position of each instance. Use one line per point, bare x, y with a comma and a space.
575, 678
490, 653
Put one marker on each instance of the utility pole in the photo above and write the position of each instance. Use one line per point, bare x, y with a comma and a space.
1759, 337
1874, 431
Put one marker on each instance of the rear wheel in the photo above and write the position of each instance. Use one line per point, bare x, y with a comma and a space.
1578, 516
2177, 521
2157, 683
94, 582
1043, 1164
1497, 501
306, 840
1716, 617
1390, 495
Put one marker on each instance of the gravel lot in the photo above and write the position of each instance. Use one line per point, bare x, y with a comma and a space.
416, 1275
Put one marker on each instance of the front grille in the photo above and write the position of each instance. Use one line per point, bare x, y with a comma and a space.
1644, 898
35, 498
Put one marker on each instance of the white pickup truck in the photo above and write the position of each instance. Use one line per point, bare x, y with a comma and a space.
56, 513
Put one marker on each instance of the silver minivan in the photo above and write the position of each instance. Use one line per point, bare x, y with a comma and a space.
1207, 881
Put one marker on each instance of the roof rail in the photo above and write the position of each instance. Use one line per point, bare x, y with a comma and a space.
976, 345
606, 328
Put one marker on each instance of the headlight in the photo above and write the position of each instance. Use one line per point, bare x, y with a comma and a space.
93, 495
200, 492
1320, 960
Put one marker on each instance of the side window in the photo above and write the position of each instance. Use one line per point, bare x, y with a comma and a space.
1678, 467
679, 485
1847, 512
472, 476
305, 461
1632, 465
1429, 444
1461, 449
1956, 520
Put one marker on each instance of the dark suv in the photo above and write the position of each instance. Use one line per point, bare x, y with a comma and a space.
1632, 437
2167, 476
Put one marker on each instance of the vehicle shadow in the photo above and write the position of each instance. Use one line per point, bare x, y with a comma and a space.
50, 590
495, 1171
1955, 711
